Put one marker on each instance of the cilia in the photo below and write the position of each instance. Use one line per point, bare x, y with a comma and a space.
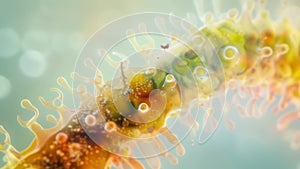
131, 113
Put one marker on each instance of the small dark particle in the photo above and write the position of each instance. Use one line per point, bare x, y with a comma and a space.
164, 46
127, 92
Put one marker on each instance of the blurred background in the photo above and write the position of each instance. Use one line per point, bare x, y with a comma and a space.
40, 40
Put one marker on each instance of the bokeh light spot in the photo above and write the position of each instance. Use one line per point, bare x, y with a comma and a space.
33, 63
37, 40
5, 87
9, 43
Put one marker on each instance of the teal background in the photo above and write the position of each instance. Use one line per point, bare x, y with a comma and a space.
58, 29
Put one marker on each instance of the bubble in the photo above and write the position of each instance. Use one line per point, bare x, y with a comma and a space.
198, 41
37, 40
230, 52
33, 63
201, 73
110, 126
5, 87
90, 120
143, 108
61, 138
9, 43
170, 81
170, 78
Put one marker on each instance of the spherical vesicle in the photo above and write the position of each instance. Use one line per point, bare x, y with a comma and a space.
201, 73
110, 126
61, 137
143, 108
170, 81
230, 52
90, 120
